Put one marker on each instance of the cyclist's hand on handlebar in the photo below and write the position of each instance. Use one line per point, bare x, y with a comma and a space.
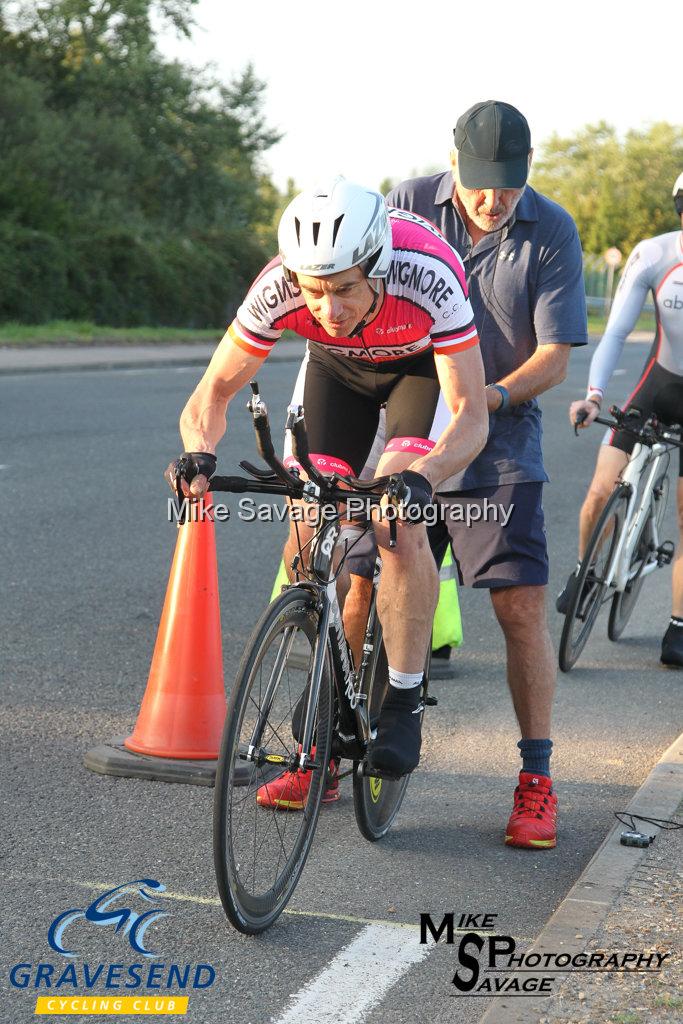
192, 470
411, 493
582, 413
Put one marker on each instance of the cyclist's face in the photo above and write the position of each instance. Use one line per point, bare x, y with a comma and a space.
337, 302
488, 208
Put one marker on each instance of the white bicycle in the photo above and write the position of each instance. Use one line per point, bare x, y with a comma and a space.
626, 544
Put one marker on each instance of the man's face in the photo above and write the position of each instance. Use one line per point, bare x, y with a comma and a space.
338, 302
488, 208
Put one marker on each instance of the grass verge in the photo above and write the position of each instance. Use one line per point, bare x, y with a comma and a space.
83, 333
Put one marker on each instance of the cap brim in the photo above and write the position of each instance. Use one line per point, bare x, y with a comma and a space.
476, 173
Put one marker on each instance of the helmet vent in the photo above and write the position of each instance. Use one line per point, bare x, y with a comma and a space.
337, 225
297, 226
316, 231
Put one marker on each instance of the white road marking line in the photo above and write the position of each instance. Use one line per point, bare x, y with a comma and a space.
379, 955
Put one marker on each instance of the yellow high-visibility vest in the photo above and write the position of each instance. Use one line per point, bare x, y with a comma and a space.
447, 628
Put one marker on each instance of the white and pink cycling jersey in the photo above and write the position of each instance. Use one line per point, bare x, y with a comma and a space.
426, 303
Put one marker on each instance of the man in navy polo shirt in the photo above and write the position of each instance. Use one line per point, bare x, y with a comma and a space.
523, 262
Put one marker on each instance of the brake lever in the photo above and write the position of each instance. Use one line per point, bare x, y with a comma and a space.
179, 497
581, 415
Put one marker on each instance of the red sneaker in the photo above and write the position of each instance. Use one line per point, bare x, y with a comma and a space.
533, 822
289, 791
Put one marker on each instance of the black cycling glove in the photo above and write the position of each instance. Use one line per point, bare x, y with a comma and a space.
192, 464
412, 493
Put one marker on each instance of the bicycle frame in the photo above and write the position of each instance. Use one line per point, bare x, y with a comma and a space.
639, 509
354, 711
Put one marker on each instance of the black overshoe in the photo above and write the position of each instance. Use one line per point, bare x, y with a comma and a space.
672, 646
396, 748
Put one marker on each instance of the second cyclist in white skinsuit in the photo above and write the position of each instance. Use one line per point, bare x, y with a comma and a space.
655, 268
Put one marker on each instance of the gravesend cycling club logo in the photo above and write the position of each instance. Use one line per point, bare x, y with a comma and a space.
103, 912
123, 916
489, 964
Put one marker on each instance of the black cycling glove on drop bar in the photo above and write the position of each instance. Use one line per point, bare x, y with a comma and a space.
198, 464
419, 494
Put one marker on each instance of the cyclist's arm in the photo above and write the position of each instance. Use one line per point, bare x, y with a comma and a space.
461, 376
203, 420
628, 303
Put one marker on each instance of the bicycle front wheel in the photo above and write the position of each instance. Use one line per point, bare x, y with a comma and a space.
376, 801
259, 848
624, 601
591, 586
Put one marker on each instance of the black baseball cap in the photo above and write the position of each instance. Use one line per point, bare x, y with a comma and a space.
493, 143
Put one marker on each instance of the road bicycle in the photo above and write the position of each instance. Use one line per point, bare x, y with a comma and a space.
625, 545
289, 715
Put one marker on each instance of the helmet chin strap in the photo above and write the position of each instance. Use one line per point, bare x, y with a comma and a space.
362, 324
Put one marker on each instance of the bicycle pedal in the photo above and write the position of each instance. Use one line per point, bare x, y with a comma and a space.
378, 773
665, 553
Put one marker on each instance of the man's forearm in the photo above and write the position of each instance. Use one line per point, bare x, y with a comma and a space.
459, 444
202, 422
542, 371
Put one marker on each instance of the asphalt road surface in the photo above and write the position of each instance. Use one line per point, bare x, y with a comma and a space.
86, 554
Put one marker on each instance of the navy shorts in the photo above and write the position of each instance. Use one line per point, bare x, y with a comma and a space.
504, 544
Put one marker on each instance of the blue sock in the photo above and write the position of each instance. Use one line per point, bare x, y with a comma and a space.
536, 756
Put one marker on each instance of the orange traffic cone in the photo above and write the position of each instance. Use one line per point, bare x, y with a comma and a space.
177, 734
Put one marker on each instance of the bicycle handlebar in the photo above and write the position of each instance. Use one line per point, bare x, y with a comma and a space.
650, 432
282, 481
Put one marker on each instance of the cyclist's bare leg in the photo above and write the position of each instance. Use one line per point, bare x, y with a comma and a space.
357, 589
531, 669
300, 535
609, 465
409, 585
677, 581
355, 614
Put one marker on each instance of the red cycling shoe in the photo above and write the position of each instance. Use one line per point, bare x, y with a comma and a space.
533, 822
289, 791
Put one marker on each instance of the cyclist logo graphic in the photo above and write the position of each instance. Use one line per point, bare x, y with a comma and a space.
101, 912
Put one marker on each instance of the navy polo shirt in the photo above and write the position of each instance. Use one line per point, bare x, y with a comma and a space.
526, 288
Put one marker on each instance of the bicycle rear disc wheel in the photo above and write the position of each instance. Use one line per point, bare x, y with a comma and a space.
624, 601
376, 801
260, 849
590, 586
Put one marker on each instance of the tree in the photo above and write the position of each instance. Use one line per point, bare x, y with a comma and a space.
137, 179
618, 191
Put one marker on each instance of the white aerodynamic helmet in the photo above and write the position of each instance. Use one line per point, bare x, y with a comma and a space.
336, 226
678, 193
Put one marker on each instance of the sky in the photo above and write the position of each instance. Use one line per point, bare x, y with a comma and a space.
373, 91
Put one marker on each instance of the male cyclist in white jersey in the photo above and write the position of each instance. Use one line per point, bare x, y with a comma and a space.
382, 299
655, 266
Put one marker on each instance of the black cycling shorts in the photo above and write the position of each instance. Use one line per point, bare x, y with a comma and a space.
343, 398
658, 391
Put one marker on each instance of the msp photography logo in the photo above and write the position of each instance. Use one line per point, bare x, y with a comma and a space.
488, 963
124, 915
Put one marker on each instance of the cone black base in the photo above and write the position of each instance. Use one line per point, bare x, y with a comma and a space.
115, 759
